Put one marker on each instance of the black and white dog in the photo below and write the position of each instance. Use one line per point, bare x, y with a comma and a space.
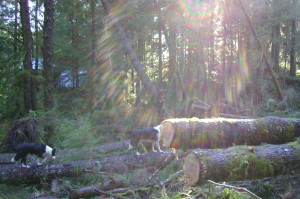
42, 151
150, 135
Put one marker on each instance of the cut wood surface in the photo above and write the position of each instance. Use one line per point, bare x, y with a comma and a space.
240, 162
189, 133
10, 174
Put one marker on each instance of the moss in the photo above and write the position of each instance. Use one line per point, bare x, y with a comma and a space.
263, 128
249, 166
289, 132
259, 167
238, 168
294, 145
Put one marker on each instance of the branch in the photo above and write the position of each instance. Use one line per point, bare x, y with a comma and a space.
236, 188
128, 48
263, 51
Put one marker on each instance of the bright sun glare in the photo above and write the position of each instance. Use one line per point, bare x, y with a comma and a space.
196, 12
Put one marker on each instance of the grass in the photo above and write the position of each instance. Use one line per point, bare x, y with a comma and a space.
15, 192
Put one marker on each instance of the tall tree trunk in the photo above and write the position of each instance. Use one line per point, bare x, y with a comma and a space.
16, 28
222, 92
141, 52
93, 31
27, 40
276, 36
293, 44
36, 22
75, 61
286, 50
91, 70
160, 97
212, 64
172, 53
34, 83
47, 53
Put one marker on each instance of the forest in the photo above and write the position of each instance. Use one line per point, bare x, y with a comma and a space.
220, 77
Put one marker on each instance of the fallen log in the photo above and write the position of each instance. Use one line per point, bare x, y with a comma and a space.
240, 162
97, 151
10, 174
220, 132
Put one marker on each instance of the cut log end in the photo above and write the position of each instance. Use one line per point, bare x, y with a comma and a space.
167, 133
191, 169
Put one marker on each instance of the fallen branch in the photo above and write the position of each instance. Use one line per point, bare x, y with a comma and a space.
92, 191
165, 163
198, 196
236, 188
170, 178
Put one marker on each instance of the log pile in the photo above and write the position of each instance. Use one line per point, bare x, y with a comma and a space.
213, 156
189, 133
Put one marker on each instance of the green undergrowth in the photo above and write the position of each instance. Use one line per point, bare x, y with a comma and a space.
4, 127
16, 192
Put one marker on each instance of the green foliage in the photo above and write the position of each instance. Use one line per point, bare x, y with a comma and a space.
233, 194
76, 133
15, 192
4, 128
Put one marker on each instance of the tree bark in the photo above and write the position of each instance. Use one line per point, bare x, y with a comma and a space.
134, 59
47, 53
241, 162
220, 132
10, 174
27, 40
91, 70
16, 27
275, 50
293, 44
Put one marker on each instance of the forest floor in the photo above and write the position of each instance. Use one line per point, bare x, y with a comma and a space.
276, 187
284, 187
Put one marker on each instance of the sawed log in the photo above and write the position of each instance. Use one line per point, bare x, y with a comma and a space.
189, 133
15, 174
240, 162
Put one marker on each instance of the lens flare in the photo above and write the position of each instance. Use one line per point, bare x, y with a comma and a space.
195, 12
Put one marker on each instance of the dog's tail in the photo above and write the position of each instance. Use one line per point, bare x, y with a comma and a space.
157, 128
